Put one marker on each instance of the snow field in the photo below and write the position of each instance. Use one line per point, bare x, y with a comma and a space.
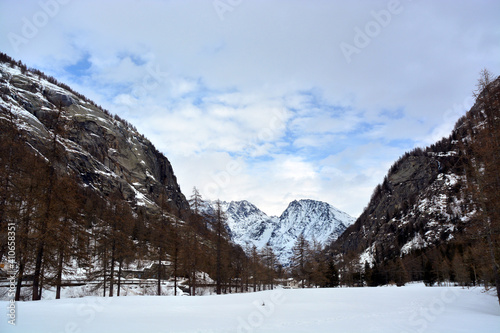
411, 309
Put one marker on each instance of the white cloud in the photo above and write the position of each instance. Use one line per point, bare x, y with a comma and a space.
268, 87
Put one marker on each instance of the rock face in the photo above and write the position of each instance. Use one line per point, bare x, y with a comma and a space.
422, 202
317, 221
106, 153
417, 205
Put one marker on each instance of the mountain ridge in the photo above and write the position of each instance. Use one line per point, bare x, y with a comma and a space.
316, 220
425, 216
106, 152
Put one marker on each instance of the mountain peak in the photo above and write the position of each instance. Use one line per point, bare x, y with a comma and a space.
316, 220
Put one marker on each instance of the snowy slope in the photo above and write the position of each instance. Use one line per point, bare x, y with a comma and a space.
248, 224
316, 220
414, 308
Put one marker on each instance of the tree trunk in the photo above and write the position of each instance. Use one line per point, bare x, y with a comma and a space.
158, 292
175, 269
38, 270
105, 263
119, 277
41, 284
496, 275
112, 270
59, 272
20, 275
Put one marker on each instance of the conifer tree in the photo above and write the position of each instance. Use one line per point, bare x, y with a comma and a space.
483, 168
300, 258
220, 232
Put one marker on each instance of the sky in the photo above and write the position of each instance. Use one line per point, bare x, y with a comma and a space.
268, 101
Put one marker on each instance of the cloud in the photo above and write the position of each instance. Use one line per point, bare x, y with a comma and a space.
266, 87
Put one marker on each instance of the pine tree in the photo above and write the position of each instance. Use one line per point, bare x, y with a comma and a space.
429, 274
269, 260
50, 197
332, 275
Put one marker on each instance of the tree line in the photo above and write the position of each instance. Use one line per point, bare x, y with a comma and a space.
63, 226
468, 255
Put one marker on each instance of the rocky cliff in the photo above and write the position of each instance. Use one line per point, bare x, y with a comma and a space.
423, 203
106, 152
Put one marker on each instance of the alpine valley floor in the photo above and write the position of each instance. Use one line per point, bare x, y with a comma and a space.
410, 309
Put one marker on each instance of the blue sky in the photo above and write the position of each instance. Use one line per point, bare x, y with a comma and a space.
268, 101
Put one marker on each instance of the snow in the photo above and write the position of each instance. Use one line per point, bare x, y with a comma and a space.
410, 309
367, 256
416, 243
149, 174
141, 198
317, 221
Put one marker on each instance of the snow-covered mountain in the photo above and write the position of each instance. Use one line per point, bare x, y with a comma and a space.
248, 224
316, 220
424, 206
105, 152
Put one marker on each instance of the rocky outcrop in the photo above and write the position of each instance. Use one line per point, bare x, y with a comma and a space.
421, 203
106, 153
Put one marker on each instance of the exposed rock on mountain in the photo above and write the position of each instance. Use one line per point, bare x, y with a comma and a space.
106, 152
425, 203
316, 220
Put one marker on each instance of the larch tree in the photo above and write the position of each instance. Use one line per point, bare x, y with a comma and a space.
300, 258
50, 196
220, 229
483, 168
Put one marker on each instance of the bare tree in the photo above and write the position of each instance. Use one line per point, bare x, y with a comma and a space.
220, 232
483, 167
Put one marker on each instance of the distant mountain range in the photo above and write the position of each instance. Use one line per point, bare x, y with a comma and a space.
317, 221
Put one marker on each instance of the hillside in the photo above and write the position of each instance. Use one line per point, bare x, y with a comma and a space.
91, 200
106, 153
430, 218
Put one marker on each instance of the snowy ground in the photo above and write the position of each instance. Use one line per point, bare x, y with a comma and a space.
409, 309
